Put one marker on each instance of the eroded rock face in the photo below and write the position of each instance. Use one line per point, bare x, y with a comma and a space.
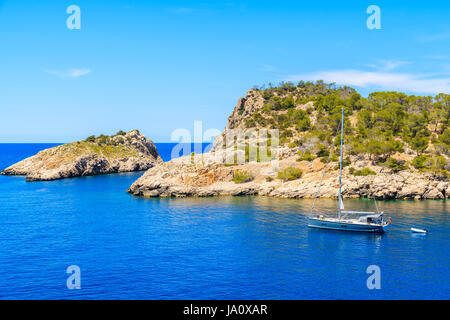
245, 107
181, 178
121, 153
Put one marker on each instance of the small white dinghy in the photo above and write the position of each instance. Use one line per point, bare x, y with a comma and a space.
417, 230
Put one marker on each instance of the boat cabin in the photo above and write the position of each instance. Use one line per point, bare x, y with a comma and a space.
375, 218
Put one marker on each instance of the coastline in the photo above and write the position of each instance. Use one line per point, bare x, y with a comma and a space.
178, 179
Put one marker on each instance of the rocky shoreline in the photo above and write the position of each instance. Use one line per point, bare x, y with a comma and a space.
123, 152
176, 178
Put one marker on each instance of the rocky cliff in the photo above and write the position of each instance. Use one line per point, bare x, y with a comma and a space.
392, 149
122, 152
177, 178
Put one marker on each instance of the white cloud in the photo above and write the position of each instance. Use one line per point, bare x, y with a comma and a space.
387, 65
380, 80
71, 73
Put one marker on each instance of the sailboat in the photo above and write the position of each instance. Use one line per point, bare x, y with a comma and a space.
347, 220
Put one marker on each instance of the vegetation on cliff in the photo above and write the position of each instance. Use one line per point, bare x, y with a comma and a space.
396, 147
361, 172
289, 174
242, 176
114, 146
382, 125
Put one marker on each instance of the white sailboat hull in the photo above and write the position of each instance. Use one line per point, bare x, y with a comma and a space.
346, 225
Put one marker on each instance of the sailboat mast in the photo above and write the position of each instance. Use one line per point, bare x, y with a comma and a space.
340, 163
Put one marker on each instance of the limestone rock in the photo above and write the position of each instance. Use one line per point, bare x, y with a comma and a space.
180, 178
120, 153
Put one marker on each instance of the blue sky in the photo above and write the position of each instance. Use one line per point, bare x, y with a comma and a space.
159, 66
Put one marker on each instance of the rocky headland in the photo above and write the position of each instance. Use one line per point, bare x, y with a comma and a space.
391, 150
123, 152
176, 178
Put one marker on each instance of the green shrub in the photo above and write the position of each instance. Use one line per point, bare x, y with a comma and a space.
290, 173
286, 133
90, 139
323, 152
295, 143
395, 165
362, 172
121, 133
419, 144
242, 176
284, 140
303, 125
420, 162
439, 162
445, 137
102, 139
250, 123
306, 156
267, 94
434, 164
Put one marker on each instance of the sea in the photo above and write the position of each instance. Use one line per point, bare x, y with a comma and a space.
87, 238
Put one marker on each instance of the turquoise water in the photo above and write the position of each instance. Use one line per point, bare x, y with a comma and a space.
212, 248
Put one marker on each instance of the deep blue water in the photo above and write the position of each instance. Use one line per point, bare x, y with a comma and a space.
213, 248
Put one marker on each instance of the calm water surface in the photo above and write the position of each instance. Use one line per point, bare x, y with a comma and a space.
213, 248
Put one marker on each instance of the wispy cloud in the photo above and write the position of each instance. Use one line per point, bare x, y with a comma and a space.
71, 73
380, 80
387, 65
